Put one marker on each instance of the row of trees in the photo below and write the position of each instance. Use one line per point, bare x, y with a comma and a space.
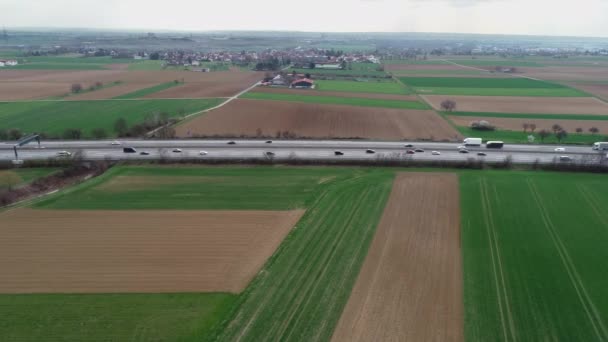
77, 87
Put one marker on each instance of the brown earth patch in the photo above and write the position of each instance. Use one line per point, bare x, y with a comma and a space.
110, 92
515, 124
10, 91
74, 251
244, 117
53, 83
566, 73
599, 90
410, 285
515, 104
261, 89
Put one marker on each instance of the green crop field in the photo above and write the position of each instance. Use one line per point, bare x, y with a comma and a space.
351, 101
208, 188
357, 70
53, 117
520, 137
152, 65
326, 248
19, 177
489, 86
415, 61
498, 62
69, 63
147, 91
455, 73
362, 87
534, 252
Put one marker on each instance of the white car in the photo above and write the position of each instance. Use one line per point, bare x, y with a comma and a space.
177, 150
436, 153
560, 149
461, 147
115, 142
203, 153
63, 154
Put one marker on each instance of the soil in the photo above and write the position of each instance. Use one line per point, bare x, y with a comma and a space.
334, 93
516, 104
74, 251
244, 117
410, 285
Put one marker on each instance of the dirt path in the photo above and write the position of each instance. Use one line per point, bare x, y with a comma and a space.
59, 251
410, 286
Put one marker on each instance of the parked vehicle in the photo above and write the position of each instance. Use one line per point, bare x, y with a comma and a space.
600, 146
495, 144
472, 142
129, 150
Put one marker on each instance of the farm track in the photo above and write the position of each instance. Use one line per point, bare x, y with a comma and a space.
587, 303
594, 203
317, 263
506, 316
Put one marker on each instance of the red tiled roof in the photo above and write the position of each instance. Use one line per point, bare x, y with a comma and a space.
303, 80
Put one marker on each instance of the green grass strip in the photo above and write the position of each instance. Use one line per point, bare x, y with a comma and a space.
531, 115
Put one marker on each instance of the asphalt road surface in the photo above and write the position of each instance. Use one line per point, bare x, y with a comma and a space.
290, 149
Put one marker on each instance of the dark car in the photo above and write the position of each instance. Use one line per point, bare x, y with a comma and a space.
231, 142
463, 151
129, 150
370, 151
338, 153
409, 145
269, 154
419, 150
410, 152
269, 141
144, 153
482, 154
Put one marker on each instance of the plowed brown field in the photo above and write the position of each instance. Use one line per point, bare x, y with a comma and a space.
599, 90
334, 93
52, 251
515, 124
29, 84
514, 104
244, 116
566, 73
446, 67
410, 286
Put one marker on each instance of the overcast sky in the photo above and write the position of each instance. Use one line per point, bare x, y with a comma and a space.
537, 17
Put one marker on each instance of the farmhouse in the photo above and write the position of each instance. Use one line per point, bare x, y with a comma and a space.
303, 83
9, 62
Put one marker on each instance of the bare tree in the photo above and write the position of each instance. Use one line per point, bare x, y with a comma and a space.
525, 126
556, 128
561, 135
448, 105
594, 130
579, 130
76, 88
532, 127
99, 133
543, 133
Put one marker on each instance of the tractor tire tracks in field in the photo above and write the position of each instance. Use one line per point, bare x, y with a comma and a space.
504, 307
594, 204
589, 307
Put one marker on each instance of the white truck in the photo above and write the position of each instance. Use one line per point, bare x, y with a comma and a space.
472, 142
600, 146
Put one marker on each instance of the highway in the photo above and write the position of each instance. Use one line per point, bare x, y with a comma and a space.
284, 150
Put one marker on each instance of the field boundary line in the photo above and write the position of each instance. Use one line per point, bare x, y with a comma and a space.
593, 203
497, 263
581, 291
